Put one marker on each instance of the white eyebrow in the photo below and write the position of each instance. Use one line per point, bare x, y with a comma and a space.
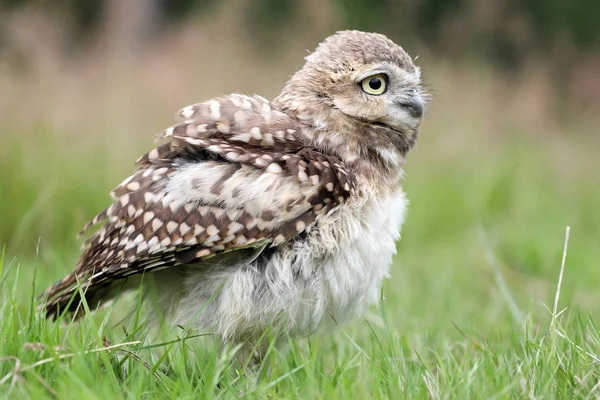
371, 73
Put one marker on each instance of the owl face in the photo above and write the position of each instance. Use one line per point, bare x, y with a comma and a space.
362, 91
380, 94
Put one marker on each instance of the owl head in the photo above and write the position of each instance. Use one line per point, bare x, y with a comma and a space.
361, 86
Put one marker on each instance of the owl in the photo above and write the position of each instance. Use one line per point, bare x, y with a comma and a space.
262, 216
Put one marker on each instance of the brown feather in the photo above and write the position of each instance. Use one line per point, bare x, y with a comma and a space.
144, 230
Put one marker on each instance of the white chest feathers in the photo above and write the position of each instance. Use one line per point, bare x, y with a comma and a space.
315, 282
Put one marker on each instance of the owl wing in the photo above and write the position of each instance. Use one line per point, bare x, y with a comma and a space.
232, 175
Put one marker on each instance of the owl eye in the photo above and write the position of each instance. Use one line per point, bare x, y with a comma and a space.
375, 84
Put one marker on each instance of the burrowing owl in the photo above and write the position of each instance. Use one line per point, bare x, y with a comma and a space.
259, 214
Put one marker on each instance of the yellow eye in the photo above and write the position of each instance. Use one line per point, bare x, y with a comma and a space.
375, 84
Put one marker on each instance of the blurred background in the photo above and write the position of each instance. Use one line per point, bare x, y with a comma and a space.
507, 157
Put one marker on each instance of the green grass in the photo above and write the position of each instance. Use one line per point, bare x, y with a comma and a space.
466, 313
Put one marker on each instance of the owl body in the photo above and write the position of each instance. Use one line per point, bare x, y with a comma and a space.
306, 286
259, 214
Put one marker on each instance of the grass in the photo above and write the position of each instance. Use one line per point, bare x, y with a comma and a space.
473, 308
469, 311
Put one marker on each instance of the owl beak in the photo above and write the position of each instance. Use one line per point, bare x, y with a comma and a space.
415, 107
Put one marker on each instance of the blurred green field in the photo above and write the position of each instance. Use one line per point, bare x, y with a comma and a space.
486, 211
505, 162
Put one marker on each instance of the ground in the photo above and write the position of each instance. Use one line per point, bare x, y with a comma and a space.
467, 312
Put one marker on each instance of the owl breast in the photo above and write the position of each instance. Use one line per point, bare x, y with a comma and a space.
320, 280
360, 243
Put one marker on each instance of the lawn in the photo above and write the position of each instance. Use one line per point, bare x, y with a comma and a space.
467, 313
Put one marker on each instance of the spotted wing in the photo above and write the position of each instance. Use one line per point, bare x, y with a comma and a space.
232, 175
